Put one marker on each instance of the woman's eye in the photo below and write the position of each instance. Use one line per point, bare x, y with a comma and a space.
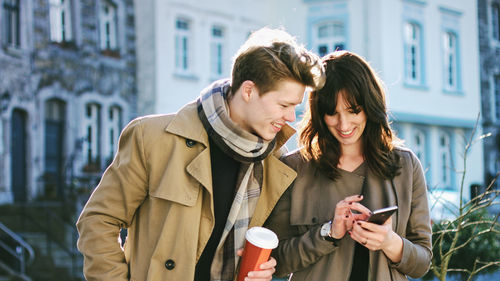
355, 110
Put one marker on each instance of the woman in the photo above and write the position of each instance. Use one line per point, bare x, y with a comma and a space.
350, 164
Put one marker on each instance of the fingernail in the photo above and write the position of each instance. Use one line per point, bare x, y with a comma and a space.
350, 233
359, 223
359, 196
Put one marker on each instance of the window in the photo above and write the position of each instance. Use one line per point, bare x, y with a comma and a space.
419, 146
413, 53
1, 137
495, 20
450, 60
54, 142
496, 89
11, 23
91, 144
60, 21
217, 52
329, 37
114, 127
182, 45
108, 26
444, 160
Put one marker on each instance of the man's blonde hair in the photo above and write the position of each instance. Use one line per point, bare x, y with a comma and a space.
270, 56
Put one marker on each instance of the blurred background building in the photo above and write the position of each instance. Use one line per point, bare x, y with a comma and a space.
74, 72
489, 54
67, 87
426, 52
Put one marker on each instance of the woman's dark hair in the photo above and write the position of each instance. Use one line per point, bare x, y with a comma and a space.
350, 75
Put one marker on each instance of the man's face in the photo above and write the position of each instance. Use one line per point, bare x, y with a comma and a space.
266, 114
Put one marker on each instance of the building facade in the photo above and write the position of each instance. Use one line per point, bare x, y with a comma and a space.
67, 88
427, 54
184, 45
425, 51
489, 53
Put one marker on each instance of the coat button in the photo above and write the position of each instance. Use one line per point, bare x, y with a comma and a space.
190, 143
170, 264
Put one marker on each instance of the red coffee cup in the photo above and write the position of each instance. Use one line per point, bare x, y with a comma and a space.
260, 242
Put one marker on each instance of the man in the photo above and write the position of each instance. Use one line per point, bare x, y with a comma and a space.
188, 185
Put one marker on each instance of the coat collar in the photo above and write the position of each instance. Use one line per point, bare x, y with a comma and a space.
187, 124
277, 175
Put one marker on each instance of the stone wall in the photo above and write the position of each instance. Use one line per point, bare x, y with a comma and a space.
41, 69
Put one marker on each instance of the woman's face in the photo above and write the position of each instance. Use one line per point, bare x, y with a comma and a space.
346, 124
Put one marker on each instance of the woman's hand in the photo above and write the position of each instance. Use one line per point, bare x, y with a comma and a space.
344, 218
379, 237
265, 273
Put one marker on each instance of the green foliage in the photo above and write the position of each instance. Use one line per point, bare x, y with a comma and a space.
478, 240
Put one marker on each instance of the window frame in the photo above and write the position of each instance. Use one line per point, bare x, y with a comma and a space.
92, 138
450, 69
183, 45
61, 21
111, 42
495, 112
420, 149
11, 27
417, 56
217, 52
445, 161
114, 126
495, 20
332, 40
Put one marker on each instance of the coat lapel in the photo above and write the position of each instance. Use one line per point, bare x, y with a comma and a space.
379, 193
277, 177
187, 124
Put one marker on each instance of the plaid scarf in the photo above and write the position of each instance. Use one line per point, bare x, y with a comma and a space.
246, 148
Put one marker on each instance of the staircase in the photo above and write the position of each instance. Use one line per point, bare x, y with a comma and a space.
50, 230
15, 255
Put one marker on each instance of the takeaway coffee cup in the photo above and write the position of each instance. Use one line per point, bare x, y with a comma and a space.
260, 242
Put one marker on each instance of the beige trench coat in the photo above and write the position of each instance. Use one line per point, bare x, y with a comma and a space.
159, 186
309, 203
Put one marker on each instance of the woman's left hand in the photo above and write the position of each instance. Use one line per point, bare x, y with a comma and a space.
379, 237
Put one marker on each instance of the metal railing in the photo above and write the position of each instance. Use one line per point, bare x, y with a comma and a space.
14, 246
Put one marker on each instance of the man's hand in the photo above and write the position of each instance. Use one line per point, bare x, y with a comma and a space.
266, 270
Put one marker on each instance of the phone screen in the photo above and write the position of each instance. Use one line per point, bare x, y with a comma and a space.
381, 215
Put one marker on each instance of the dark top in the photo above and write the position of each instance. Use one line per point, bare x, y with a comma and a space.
361, 259
224, 176
360, 263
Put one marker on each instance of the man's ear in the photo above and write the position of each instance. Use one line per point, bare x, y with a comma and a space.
248, 89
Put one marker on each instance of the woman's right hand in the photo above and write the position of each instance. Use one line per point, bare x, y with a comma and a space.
344, 218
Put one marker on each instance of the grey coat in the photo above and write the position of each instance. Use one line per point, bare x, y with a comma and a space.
310, 201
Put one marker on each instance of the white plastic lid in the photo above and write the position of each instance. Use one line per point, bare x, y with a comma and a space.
262, 237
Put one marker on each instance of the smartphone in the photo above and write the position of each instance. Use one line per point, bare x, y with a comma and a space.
381, 215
